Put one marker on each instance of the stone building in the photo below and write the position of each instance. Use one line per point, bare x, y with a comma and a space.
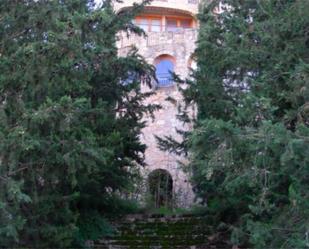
171, 29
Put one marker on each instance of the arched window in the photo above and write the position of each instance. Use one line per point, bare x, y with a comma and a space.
164, 70
192, 64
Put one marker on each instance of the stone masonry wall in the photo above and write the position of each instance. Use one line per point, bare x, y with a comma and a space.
180, 45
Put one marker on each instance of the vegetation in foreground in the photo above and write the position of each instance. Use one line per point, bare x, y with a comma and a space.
69, 121
249, 150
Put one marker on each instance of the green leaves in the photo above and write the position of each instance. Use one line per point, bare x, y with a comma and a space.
69, 128
249, 148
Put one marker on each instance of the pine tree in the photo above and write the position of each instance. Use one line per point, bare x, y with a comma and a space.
69, 120
249, 150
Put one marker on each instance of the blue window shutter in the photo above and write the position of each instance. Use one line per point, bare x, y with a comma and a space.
164, 70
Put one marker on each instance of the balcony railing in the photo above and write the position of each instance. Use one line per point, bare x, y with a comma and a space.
158, 37
164, 80
162, 28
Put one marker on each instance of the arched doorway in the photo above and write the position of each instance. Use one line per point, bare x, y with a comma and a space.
161, 188
164, 70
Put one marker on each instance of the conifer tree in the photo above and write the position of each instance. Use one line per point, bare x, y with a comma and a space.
249, 150
69, 118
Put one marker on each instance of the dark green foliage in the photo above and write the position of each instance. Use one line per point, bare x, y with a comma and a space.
91, 227
249, 149
69, 127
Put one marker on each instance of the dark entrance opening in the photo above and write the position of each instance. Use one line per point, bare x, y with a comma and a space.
161, 188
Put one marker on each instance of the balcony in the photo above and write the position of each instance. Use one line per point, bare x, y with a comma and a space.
164, 80
172, 36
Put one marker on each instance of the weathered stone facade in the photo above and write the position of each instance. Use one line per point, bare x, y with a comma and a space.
179, 45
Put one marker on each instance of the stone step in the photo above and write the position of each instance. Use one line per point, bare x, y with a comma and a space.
156, 247
154, 237
163, 228
176, 232
161, 235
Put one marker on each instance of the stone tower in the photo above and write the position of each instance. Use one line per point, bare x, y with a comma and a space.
171, 29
